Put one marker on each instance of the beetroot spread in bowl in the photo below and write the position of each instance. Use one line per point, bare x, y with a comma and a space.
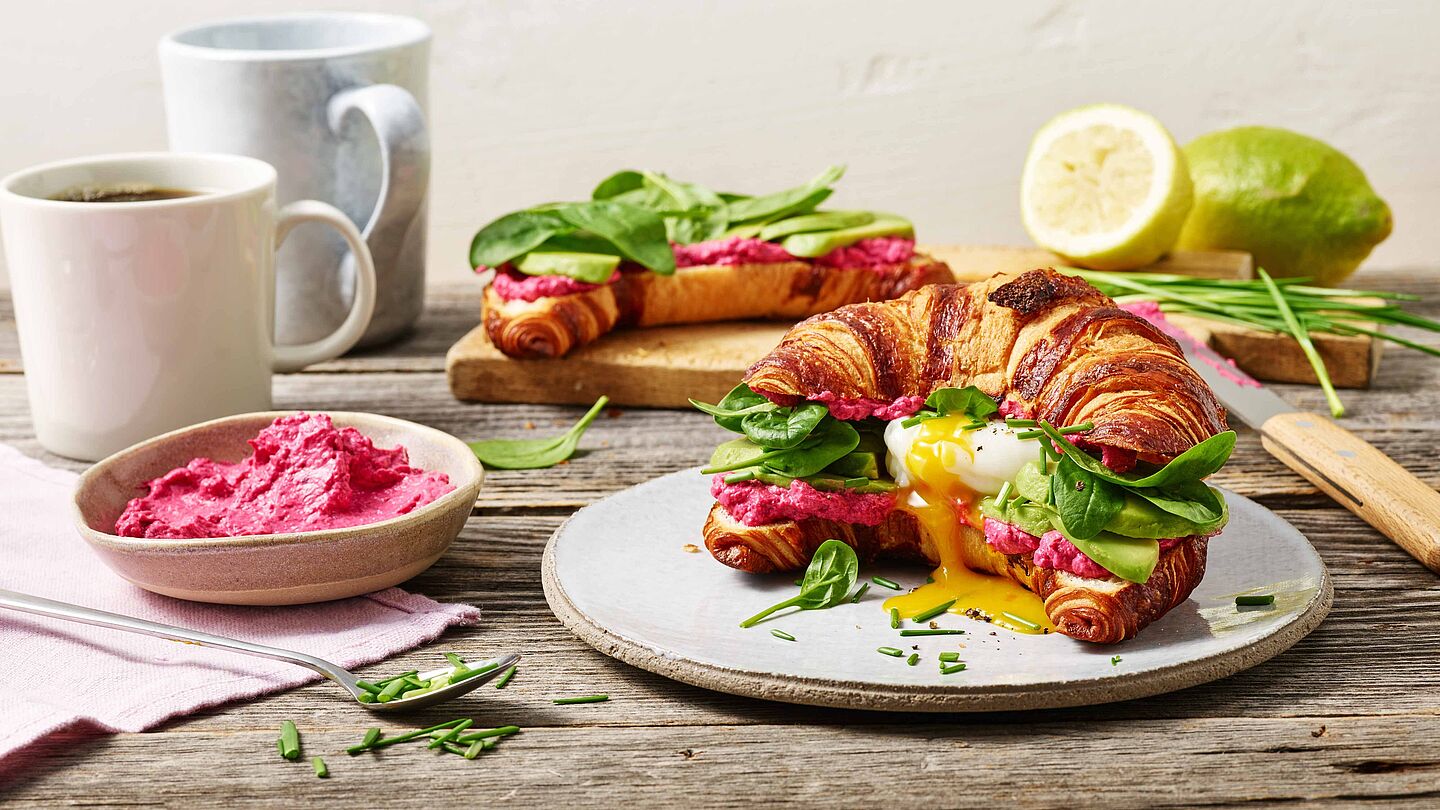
391, 513
305, 474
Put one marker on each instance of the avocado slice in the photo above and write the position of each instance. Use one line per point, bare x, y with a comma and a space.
818, 221
591, 268
811, 245
1032, 483
858, 464
1130, 558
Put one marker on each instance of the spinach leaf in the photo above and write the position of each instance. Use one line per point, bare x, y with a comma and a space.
830, 441
531, 454
1194, 464
1191, 500
784, 203
692, 213
621, 182
638, 233
783, 428
740, 402
969, 400
515, 235
827, 582
1085, 502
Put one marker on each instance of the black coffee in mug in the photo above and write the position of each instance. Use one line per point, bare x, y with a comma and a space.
134, 192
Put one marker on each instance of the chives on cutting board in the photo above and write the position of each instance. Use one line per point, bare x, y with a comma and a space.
585, 699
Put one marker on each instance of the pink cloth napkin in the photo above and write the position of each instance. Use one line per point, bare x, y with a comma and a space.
60, 675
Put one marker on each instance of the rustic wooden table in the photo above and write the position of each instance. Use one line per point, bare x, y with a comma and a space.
1350, 714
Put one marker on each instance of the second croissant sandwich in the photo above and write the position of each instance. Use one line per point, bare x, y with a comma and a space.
1025, 427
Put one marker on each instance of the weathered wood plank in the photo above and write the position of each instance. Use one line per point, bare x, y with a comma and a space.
1034, 763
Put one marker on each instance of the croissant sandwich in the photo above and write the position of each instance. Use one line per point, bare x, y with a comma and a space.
1042, 447
648, 250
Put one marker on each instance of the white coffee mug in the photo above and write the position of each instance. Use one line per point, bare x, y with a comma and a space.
336, 103
137, 318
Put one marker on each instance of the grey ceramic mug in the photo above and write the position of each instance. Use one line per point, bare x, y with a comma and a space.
336, 102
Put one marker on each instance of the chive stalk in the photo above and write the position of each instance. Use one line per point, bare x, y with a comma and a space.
289, 740
913, 659
452, 733
502, 731
583, 699
894, 618
859, 592
1255, 599
925, 631
321, 770
886, 583
781, 634
894, 652
504, 679
406, 737
949, 657
933, 612
1302, 336
1020, 620
952, 669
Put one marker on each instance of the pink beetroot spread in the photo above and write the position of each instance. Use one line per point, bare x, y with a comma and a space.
305, 475
732, 251
871, 254
512, 285
1052, 550
755, 503
855, 409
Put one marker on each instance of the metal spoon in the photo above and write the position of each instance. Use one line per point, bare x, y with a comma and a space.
63, 610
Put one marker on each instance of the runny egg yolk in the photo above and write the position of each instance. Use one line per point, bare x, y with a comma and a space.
944, 472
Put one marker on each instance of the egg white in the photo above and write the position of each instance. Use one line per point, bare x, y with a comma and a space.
982, 459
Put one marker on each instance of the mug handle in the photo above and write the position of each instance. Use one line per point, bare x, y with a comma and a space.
399, 125
298, 356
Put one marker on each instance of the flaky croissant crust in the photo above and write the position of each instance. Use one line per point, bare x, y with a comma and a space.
1052, 343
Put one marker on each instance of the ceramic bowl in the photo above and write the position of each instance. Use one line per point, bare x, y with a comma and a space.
275, 569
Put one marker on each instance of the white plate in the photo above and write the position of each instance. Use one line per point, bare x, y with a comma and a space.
617, 574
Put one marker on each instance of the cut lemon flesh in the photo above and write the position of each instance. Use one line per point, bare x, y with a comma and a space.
1106, 187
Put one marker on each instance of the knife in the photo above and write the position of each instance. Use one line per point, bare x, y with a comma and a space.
1346, 467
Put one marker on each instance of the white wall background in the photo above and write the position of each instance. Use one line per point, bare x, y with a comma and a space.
931, 104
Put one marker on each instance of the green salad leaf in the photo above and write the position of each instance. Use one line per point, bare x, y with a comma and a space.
827, 582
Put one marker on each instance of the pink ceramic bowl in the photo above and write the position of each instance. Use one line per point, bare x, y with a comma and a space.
275, 569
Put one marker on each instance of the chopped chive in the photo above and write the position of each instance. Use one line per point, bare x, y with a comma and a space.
949, 657
1019, 423
1004, 495
366, 697
859, 592
488, 743
474, 749
976, 425
452, 748
894, 618
502, 731
466, 675
368, 687
1115, 659
952, 669
1080, 428
370, 737
781, 634
929, 632
391, 690
912, 421
504, 679
895, 652
1258, 599
933, 612
406, 737
913, 659
886, 583
321, 770
1030, 434
399, 677
455, 660
454, 732
584, 699
860, 481
289, 740
740, 477
1023, 622
930, 579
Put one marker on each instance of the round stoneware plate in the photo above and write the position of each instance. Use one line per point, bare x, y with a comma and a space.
618, 574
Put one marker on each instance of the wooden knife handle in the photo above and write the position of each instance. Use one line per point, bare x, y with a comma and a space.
1361, 478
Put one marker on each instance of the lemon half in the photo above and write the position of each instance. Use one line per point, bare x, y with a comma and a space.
1106, 187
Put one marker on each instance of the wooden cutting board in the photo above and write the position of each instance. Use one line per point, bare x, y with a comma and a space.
663, 366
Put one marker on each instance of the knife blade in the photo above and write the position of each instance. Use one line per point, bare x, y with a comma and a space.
1344, 466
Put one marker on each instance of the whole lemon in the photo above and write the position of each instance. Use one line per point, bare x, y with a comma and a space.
1298, 205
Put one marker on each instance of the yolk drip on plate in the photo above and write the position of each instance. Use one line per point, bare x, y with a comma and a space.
949, 511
